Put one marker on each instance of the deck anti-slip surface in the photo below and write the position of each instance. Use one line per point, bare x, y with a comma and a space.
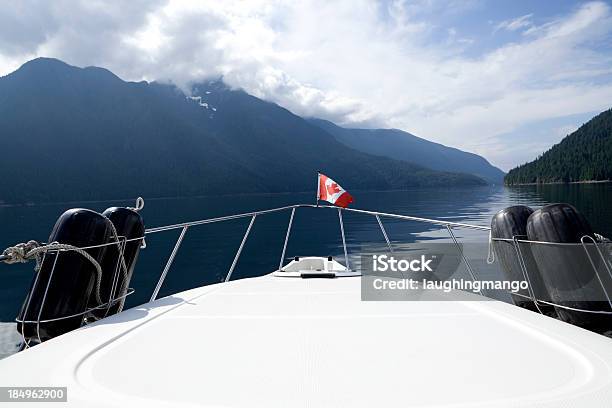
293, 342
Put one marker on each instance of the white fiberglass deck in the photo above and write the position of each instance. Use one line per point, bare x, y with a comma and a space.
292, 342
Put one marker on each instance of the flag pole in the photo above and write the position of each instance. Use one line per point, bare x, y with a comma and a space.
318, 186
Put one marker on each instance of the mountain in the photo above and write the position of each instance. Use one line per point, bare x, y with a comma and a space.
585, 155
401, 145
83, 134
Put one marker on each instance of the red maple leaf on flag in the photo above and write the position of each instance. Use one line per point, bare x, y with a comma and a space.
330, 191
333, 189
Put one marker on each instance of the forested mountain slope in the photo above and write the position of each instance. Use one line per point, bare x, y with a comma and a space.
585, 155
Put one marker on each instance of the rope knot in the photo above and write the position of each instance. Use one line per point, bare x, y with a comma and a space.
20, 253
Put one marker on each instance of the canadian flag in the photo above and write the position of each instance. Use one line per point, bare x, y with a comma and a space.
330, 191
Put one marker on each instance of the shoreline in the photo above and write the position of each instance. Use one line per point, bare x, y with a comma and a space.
229, 195
560, 182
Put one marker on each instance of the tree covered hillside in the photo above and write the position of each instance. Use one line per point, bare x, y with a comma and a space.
585, 155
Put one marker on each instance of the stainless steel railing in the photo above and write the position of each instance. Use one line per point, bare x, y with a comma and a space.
449, 225
520, 243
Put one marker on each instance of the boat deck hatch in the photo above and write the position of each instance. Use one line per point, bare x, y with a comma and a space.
309, 267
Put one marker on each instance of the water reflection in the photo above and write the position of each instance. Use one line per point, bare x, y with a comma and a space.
208, 250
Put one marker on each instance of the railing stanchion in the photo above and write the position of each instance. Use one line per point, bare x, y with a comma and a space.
179, 241
382, 228
343, 239
467, 263
280, 264
595, 267
246, 235
523, 265
42, 303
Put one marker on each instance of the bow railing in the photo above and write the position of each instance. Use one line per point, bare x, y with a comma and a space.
185, 226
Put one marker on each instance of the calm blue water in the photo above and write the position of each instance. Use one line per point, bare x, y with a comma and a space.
208, 250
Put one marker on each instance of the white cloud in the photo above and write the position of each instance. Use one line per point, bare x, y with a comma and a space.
515, 23
351, 61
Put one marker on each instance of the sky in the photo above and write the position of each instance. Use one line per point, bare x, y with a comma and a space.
504, 79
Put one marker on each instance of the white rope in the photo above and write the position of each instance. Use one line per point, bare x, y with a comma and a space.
24, 252
124, 270
139, 204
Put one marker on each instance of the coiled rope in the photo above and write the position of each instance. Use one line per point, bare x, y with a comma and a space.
24, 252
